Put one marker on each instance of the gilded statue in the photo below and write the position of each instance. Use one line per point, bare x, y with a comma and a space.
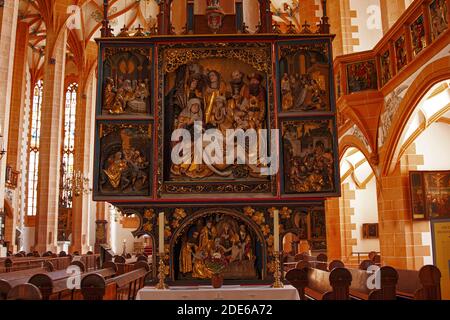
116, 166
207, 236
125, 170
215, 87
125, 96
186, 257
191, 113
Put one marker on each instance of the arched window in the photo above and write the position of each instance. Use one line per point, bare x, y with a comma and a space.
33, 159
67, 165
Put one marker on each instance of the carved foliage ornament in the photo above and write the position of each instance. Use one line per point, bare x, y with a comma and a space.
257, 57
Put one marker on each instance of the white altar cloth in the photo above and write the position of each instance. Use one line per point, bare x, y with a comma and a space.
251, 292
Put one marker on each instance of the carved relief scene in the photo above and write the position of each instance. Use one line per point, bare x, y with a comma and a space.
125, 159
385, 61
304, 78
418, 35
219, 90
439, 18
308, 156
362, 76
127, 81
223, 238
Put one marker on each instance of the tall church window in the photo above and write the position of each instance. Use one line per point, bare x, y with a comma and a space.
67, 165
33, 160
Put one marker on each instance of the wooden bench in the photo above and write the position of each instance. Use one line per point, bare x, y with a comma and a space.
319, 261
125, 265
11, 279
122, 287
23, 263
24, 291
316, 284
424, 284
359, 288
54, 285
335, 264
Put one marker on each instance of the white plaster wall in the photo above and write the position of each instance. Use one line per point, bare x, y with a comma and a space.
407, 3
27, 239
366, 211
251, 16
433, 144
368, 20
118, 234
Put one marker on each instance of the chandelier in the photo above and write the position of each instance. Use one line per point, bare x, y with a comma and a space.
74, 185
2, 147
80, 184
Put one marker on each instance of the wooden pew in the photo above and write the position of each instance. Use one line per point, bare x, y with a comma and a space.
122, 287
22, 263
335, 264
54, 285
408, 284
316, 284
424, 284
11, 279
125, 265
89, 260
365, 264
360, 290
25, 291
319, 261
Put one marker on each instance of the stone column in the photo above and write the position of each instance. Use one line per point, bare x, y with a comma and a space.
78, 204
401, 243
164, 23
265, 16
391, 10
8, 26
333, 229
83, 151
16, 120
341, 16
50, 141
101, 234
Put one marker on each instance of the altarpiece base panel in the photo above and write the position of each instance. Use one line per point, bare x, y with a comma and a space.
242, 234
276, 86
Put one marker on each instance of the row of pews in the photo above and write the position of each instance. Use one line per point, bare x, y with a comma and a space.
76, 277
315, 279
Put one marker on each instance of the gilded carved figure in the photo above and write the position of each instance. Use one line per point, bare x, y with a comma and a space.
308, 156
126, 85
217, 235
304, 79
439, 20
216, 100
124, 167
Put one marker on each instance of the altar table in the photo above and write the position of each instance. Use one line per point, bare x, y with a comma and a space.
224, 293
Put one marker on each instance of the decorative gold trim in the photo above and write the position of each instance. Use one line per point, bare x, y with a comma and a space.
257, 57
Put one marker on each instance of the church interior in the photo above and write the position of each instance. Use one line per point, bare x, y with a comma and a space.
319, 168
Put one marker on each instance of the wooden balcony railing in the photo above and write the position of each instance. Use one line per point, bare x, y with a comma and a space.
418, 35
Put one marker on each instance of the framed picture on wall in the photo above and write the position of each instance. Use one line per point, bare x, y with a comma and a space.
417, 195
370, 230
430, 194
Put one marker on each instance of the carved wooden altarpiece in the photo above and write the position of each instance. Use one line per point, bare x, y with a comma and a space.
150, 86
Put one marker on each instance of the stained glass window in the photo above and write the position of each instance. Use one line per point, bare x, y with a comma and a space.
67, 165
33, 160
